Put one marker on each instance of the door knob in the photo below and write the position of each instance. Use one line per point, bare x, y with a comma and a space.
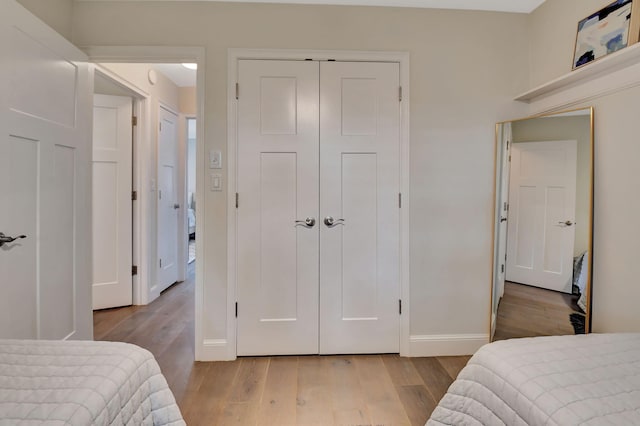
566, 223
176, 206
503, 219
4, 239
331, 222
308, 222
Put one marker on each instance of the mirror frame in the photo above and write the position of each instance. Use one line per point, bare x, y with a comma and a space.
494, 221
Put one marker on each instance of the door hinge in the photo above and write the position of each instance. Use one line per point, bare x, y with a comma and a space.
237, 91
134, 195
236, 309
161, 263
509, 157
237, 197
160, 194
134, 270
400, 94
400, 200
160, 126
400, 306
507, 144
134, 121
502, 268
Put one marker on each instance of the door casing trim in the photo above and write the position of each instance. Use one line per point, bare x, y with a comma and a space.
237, 54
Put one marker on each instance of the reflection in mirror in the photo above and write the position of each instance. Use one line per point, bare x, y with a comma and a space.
541, 283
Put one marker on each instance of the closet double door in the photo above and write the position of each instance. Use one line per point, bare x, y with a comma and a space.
318, 246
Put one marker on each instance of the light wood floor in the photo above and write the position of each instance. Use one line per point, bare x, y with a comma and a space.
526, 311
376, 390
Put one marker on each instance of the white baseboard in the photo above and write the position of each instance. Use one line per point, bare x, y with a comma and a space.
446, 344
430, 345
214, 350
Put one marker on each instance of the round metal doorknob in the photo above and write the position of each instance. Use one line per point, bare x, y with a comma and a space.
331, 222
176, 206
308, 222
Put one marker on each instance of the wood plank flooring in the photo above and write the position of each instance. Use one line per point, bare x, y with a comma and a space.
376, 390
526, 311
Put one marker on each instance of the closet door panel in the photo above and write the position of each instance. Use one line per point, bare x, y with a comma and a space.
277, 179
359, 187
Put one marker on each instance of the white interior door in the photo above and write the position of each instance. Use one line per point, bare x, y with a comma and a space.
359, 189
277, 273
502, 212
45, 175
318, 140
112, 209
168, 203
541, 229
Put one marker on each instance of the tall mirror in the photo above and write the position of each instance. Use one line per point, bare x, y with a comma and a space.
541, 283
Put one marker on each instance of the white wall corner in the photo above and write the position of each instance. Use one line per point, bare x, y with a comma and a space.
446, 344
214, 350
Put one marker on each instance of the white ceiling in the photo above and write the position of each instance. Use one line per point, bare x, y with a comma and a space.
181, 76
517, 6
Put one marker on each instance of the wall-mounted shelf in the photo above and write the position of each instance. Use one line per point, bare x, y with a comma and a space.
616, 61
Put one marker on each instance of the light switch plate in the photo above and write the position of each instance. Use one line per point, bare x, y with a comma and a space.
216, 181
215, 159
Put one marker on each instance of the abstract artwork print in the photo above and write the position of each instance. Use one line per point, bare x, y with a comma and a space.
604, 32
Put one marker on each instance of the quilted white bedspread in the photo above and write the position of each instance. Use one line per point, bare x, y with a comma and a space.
562, 380
82, 383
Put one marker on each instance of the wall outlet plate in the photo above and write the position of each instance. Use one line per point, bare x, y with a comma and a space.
216, 181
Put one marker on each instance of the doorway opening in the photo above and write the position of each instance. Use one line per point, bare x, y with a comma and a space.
160, 194
191, 188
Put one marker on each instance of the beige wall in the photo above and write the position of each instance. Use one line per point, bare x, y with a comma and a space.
617, 178
163, 91
566, 128
464, 73
55, 13
187, 101
616, 227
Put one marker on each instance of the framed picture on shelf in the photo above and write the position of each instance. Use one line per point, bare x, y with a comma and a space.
608, 30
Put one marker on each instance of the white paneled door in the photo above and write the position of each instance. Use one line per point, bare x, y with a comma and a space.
359, 190
168, 203
541, 228
502, 212
45, 177
278, 156
112, 209
318, 214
